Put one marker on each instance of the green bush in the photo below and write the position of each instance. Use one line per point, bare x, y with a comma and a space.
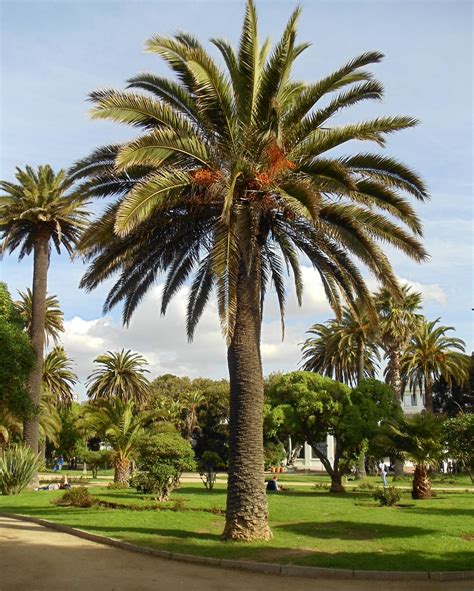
117, 485
17, 467
387, 497
76, 497
161, 459
274, 454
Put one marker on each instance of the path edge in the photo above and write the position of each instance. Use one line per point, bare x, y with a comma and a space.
259, 567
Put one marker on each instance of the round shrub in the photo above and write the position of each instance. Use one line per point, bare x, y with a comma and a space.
388, 496
76, 497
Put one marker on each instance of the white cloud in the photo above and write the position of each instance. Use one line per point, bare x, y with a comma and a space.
432, 292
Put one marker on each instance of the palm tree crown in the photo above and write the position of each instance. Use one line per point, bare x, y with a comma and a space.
230, 179
54, 318
120, 375
58, 377
430, 355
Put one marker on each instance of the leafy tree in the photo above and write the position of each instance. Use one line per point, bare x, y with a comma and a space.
58, 377
53, 319
120, 375
459, 437
419, 438
315, 407
398, 318
162, 458
345, 349
17, 360
431, 354
35, 213
231, 178
456, 397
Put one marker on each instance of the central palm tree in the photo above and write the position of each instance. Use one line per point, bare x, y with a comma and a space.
38, 211
231, 178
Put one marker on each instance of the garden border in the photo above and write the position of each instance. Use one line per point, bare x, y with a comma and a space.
260, 567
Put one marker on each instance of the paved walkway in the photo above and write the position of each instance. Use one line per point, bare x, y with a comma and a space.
38, 559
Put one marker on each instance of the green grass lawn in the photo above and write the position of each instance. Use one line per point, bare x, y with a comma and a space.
310, 527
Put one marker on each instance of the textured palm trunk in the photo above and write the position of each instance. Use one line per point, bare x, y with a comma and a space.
395, 381
360, 469
247, 511
40, 277
429, 394
421, 483
122, 470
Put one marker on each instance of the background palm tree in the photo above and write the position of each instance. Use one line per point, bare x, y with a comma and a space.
58, 377
120, 375
35, 213
399, 317
117, 422
344, 350
53, 319
431, 354
230, 179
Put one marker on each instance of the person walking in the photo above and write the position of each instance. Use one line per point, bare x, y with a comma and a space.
383, 474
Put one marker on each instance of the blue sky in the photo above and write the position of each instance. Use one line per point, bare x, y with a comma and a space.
54, 53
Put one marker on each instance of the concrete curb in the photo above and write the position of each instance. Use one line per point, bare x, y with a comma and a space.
259, 567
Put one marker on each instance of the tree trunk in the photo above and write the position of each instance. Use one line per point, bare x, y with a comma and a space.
398, 469
247, 510
421, 483
394, 373
336, 483
428, 394
122, 470
360, 470
40, 278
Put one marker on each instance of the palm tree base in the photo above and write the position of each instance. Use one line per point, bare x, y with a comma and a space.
421, 483
247, 530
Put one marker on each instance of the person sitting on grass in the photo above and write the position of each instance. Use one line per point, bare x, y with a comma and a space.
273, 486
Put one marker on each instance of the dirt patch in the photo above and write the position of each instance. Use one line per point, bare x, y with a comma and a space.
467, 537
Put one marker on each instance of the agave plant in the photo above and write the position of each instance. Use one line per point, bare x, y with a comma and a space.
18, 465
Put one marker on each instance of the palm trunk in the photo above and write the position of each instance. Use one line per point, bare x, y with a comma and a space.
429, 394
40, 277
395, 381
122, 470
421, 483
247, 511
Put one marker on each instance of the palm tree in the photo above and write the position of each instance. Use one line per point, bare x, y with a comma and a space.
431, 354
229, 181
53, 320
58, 377
117, 421
120, 375
190, 402
419, 439
398, 320
344, 350
36, 213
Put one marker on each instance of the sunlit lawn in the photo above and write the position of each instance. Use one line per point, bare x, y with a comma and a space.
310, 527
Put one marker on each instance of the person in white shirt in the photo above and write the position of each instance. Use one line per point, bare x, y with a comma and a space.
383, 473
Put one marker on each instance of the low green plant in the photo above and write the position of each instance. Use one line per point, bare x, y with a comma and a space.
117, 485
18, 465
76, 497
209, 464
388, 496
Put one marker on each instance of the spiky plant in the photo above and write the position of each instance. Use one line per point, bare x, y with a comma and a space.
232, 177
431, 354
18, 465
119, 375
53, 320
37, 212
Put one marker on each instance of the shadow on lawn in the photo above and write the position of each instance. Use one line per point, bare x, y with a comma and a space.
347, 530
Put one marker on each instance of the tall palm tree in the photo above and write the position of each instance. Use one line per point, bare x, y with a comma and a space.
117, 421
399, 317
36, 212
231, 178
58, 377
344, 350
431, 354
53, 320
120, 375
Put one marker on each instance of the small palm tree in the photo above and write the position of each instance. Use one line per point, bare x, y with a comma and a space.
50, 423
120, 375
117, 421
58, 377
344, 349
418, 438
38, 212
431, 354
53, 320
399, 318
230, 179
190, 402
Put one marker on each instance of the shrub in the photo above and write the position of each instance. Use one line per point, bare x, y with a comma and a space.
208, 465
76, 497
117, 485
387, 497
17, 467
161, 460
274, 454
